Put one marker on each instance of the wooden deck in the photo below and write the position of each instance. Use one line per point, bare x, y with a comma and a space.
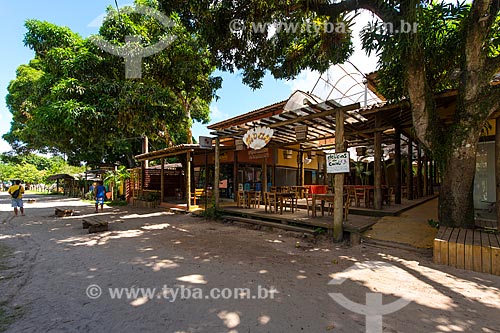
475, 250
353, 224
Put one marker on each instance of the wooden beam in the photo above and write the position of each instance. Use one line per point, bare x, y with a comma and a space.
409, 170
377, 165
397, 162
217, 171
162, 179
326, 113
188, 181
338, 208
419, 171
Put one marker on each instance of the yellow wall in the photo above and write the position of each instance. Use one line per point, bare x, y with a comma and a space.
292, 162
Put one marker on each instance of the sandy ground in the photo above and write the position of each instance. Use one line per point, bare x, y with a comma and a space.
54, 260
411, 227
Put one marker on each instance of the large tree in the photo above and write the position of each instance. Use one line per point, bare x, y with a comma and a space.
454, 46
73, 98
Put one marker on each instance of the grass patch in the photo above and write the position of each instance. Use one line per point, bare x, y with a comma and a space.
42, 193
9, 315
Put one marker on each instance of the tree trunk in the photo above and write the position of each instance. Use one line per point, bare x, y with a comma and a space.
456, 206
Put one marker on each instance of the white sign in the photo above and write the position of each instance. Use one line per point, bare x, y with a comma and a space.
337, 163
205, 142
258, 138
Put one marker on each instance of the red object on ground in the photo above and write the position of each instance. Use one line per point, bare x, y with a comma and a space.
318, 189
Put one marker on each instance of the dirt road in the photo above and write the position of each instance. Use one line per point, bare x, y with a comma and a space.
65, 280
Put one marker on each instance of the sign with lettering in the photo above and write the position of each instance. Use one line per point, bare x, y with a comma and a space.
258, 154
337, 163
257, 138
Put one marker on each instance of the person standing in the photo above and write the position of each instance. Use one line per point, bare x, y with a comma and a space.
100, 196
16, 191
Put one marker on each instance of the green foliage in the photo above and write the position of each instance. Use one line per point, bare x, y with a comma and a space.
212, 212
432, 223
296, 42
439, 32
78, 91
116, 178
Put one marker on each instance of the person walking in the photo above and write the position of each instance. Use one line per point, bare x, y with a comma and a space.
100, 196
16, 191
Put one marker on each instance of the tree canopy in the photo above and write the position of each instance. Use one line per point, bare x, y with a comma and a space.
453, 46
73, 98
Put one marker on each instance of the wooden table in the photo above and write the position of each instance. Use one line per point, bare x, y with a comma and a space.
324, 198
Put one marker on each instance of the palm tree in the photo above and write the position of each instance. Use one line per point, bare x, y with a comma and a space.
115, 179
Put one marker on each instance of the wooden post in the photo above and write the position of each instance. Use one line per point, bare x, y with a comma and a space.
338, 208
497, 168
325, 171
419, 171
426, 174
377, 165
300, 163
145, 149
217, 171
397, 162
235, 176
188, 181
264, 176
162, 179
409, 169
431, 178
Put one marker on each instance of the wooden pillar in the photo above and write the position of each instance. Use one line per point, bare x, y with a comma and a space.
145, 149
325, 171
338, 210
409, 170
300, 163
143, 175
426, 174
235, 176
397, 162
188, 181
217, 171
431, 178
162, 179
497, 168
419, 171
264, 176
377, 165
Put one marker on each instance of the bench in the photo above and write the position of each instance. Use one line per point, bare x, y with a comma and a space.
470, 249
198, 194
94, 224
62, 212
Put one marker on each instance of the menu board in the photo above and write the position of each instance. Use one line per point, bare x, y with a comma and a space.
337, 163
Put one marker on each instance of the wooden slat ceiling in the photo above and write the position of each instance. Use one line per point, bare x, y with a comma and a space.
320, 122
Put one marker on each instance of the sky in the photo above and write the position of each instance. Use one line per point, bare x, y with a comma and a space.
83, 17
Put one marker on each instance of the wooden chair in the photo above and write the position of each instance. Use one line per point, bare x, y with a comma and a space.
346, 205
271, 201
309, 203
360, 194
254, 200
387, 195
241, 200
